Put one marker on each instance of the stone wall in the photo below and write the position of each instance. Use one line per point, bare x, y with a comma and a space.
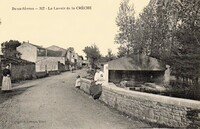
85, 85
22, 71
41, 74
168, 111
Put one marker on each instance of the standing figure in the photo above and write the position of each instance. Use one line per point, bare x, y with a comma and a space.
78, 82
96, 86
6, 83
72, 68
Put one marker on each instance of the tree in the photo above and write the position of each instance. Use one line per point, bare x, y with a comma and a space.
167, 30
149, 35
126, 23
155, 28
110, 56
9, 48
70, 49
122, 51
186, 60
93, 54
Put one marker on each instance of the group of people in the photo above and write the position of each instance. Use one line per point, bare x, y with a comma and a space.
96, 85
6, 82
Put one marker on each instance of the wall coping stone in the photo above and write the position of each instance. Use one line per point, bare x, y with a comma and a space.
153, 97
194, 104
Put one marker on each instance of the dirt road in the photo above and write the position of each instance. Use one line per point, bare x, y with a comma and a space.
54, 103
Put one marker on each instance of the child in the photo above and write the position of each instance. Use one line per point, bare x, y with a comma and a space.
78, 82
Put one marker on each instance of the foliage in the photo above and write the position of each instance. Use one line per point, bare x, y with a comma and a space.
123, 50
110, 56
154, 34
167, 30
70, 49
186, 60
93, 54
8, 48
126, 23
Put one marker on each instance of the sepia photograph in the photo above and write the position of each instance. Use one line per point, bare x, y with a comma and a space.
100, 64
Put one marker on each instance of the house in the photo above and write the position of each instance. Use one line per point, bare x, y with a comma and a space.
71, 58
45, 60
71, 55
80, 61
77, 61
138, 68
64, 53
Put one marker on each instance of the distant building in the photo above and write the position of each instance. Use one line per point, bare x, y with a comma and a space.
71, 57
79, 62
64, 53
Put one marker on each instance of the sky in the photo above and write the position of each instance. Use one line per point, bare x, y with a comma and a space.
65, 28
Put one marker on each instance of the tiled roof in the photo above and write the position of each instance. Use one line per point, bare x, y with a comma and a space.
40, 47
136, 63
57, 48
14, 60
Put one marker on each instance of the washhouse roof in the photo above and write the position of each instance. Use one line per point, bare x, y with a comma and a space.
136, 63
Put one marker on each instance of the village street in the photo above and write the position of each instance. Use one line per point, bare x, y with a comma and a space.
54, 103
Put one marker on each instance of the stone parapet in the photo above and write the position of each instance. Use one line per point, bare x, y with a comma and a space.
169, 111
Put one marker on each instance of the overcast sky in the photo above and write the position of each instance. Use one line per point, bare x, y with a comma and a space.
64, 28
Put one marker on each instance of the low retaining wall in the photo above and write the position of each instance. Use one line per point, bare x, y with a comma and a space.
22, 72
56, 72
41, 74
169, 111
45, 74
85, 85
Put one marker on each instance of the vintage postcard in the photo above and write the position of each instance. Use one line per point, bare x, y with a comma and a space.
99, 64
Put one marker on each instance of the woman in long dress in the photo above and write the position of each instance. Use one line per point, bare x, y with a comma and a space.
96, 86
6, 83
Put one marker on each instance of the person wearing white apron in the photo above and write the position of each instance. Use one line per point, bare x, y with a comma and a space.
96, 86
6, 83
